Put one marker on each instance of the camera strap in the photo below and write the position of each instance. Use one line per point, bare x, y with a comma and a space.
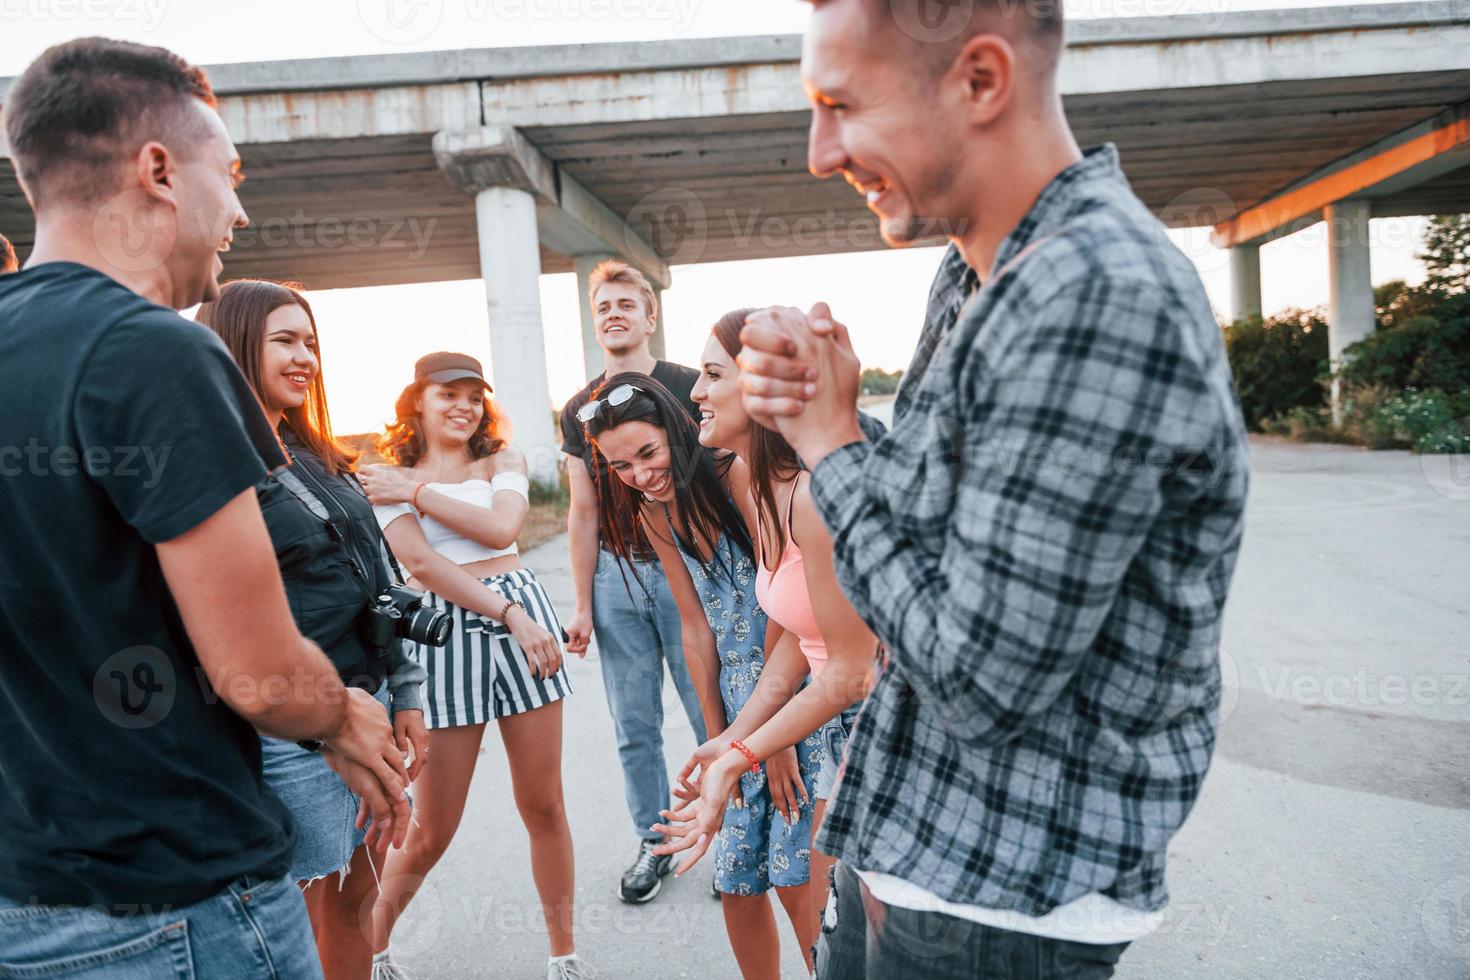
313, 503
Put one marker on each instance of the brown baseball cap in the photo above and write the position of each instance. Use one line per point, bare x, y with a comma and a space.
442, 367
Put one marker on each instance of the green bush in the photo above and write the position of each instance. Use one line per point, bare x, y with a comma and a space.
1277, 362
876, 381
1424, 421
1423, 351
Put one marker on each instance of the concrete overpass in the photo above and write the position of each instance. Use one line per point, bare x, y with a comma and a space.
502, 163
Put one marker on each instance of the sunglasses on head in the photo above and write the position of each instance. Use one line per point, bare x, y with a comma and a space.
614, 398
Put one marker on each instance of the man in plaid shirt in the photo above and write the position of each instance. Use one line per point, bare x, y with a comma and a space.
1045, 538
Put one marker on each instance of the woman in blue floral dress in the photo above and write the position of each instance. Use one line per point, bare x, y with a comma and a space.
693, 507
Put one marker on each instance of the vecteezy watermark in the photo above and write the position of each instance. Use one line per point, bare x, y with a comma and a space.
1445, 915
149, 13
400, 21
114, 462
1361, 689
135, 688
297, 230
135, 237
679, 227
411, 21
1448, 473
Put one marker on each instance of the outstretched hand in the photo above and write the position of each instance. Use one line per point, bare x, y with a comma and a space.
692, 827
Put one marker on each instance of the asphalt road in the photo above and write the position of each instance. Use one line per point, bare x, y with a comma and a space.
1332, 834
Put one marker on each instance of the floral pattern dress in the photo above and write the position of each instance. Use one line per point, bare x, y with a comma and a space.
757, 847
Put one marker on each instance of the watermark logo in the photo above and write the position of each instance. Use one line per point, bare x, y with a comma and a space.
131, 234
1194, 215
1445, 915
400, 21
673, 221
932, 21
135, 688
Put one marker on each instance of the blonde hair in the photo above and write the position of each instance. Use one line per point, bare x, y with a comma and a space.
616, 270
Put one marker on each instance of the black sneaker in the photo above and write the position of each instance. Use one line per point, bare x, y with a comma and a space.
641, 882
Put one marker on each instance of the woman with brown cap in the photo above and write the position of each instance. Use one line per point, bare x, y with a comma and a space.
451, 508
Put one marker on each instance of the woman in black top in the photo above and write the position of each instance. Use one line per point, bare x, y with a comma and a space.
333, 564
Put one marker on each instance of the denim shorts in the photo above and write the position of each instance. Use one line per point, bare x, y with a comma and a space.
324, 808
834, 736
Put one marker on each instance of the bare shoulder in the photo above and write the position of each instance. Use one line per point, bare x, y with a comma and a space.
806, 519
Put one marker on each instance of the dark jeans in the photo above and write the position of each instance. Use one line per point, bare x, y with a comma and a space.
871, 939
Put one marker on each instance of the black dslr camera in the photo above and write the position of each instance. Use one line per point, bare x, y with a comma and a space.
399, 613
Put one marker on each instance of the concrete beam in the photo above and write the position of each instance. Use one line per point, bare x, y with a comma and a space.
570, 219
471, 64
494, 156
1161, 54
582, 223
1422, 152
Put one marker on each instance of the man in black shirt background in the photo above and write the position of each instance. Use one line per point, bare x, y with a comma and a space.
145, 631
634, 618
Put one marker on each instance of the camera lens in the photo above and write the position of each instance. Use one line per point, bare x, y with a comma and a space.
427, 626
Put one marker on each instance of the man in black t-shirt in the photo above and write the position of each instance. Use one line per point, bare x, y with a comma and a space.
144, 629
629, 608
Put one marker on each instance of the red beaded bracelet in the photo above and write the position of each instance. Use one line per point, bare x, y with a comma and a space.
755, 764
414, 500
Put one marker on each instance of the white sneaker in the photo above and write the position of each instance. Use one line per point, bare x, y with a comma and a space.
570, 968
386, 969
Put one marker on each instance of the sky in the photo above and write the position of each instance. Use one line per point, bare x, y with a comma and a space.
370, 337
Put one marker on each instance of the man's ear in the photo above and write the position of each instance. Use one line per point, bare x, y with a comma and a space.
986, 68
155, 168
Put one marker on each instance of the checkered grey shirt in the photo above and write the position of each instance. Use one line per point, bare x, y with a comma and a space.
1043, 542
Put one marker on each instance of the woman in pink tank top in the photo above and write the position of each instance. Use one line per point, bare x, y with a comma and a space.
821, 637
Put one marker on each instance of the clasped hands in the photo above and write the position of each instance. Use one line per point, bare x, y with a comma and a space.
800, 377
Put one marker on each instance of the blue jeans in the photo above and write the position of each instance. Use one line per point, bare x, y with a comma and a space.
636, 635
253, 930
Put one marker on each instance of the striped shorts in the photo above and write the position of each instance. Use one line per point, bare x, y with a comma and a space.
481, 673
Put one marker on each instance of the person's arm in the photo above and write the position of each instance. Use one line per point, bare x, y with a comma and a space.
582, 538
851, 646
450, 581
225, 581
496, 526
1052, 503
699, 641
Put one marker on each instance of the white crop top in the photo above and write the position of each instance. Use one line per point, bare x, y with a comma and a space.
449, 543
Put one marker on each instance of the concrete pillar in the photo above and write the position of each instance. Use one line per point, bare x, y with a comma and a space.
510, 263
656, 345
1245, 281
1350, 316
591, 349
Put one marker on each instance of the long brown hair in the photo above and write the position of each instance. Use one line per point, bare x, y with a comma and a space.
771, 457
703, 508
239, 316
403, 440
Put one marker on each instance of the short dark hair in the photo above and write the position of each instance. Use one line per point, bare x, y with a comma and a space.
939, 41
8, 261
80, 108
